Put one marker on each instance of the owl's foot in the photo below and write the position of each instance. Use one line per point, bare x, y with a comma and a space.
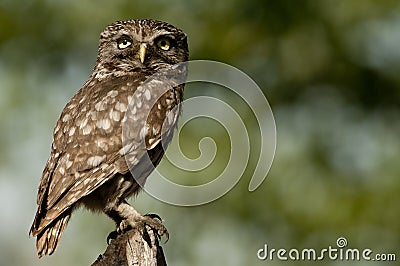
153, 221
148, 222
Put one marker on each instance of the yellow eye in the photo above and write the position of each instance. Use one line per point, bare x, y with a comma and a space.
164, 44
124, 42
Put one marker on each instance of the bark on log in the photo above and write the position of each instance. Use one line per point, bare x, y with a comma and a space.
133, 248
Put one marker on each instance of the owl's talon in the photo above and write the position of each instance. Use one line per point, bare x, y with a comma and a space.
124, 226
153, 216
155, 222
111, 236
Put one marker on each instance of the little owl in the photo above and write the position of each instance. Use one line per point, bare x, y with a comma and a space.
94, 160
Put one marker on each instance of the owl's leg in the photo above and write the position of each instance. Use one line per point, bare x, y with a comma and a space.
126, 217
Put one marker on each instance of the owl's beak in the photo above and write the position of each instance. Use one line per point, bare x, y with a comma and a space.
142, 52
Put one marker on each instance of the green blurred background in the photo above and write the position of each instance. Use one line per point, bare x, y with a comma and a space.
330, 70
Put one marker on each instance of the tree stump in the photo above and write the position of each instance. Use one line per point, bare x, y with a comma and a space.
133, 248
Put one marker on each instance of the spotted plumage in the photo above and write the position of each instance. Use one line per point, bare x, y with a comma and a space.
112, 128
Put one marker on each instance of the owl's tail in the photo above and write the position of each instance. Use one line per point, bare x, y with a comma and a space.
47, 239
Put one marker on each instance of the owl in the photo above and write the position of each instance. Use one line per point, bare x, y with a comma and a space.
114, 131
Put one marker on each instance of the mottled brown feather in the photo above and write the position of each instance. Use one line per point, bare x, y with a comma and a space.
87, 157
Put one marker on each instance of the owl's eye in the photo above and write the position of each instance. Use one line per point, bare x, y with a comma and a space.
164, 44
124, 42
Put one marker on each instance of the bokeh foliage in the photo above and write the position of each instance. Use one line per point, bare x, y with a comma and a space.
330, 70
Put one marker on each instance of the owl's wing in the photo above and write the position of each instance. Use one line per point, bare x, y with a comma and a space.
86, 150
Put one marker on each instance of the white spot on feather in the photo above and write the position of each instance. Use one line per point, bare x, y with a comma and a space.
121, 107
92, 115
112, 93
65, 129
156, 129
77, 183
83, 123
102, 143
115, 115
95, 160
83, 99
71, 106
71, 131
100, 106
127, 148
57, 128
139, 104
68, 164
61, 170
130, 100
66, 118
152, 141
86, 130
147, 94
104, 124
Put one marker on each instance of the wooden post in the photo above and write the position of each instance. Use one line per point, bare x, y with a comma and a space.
133, 248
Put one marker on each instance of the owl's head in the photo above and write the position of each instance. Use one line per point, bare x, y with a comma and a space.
140, 45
